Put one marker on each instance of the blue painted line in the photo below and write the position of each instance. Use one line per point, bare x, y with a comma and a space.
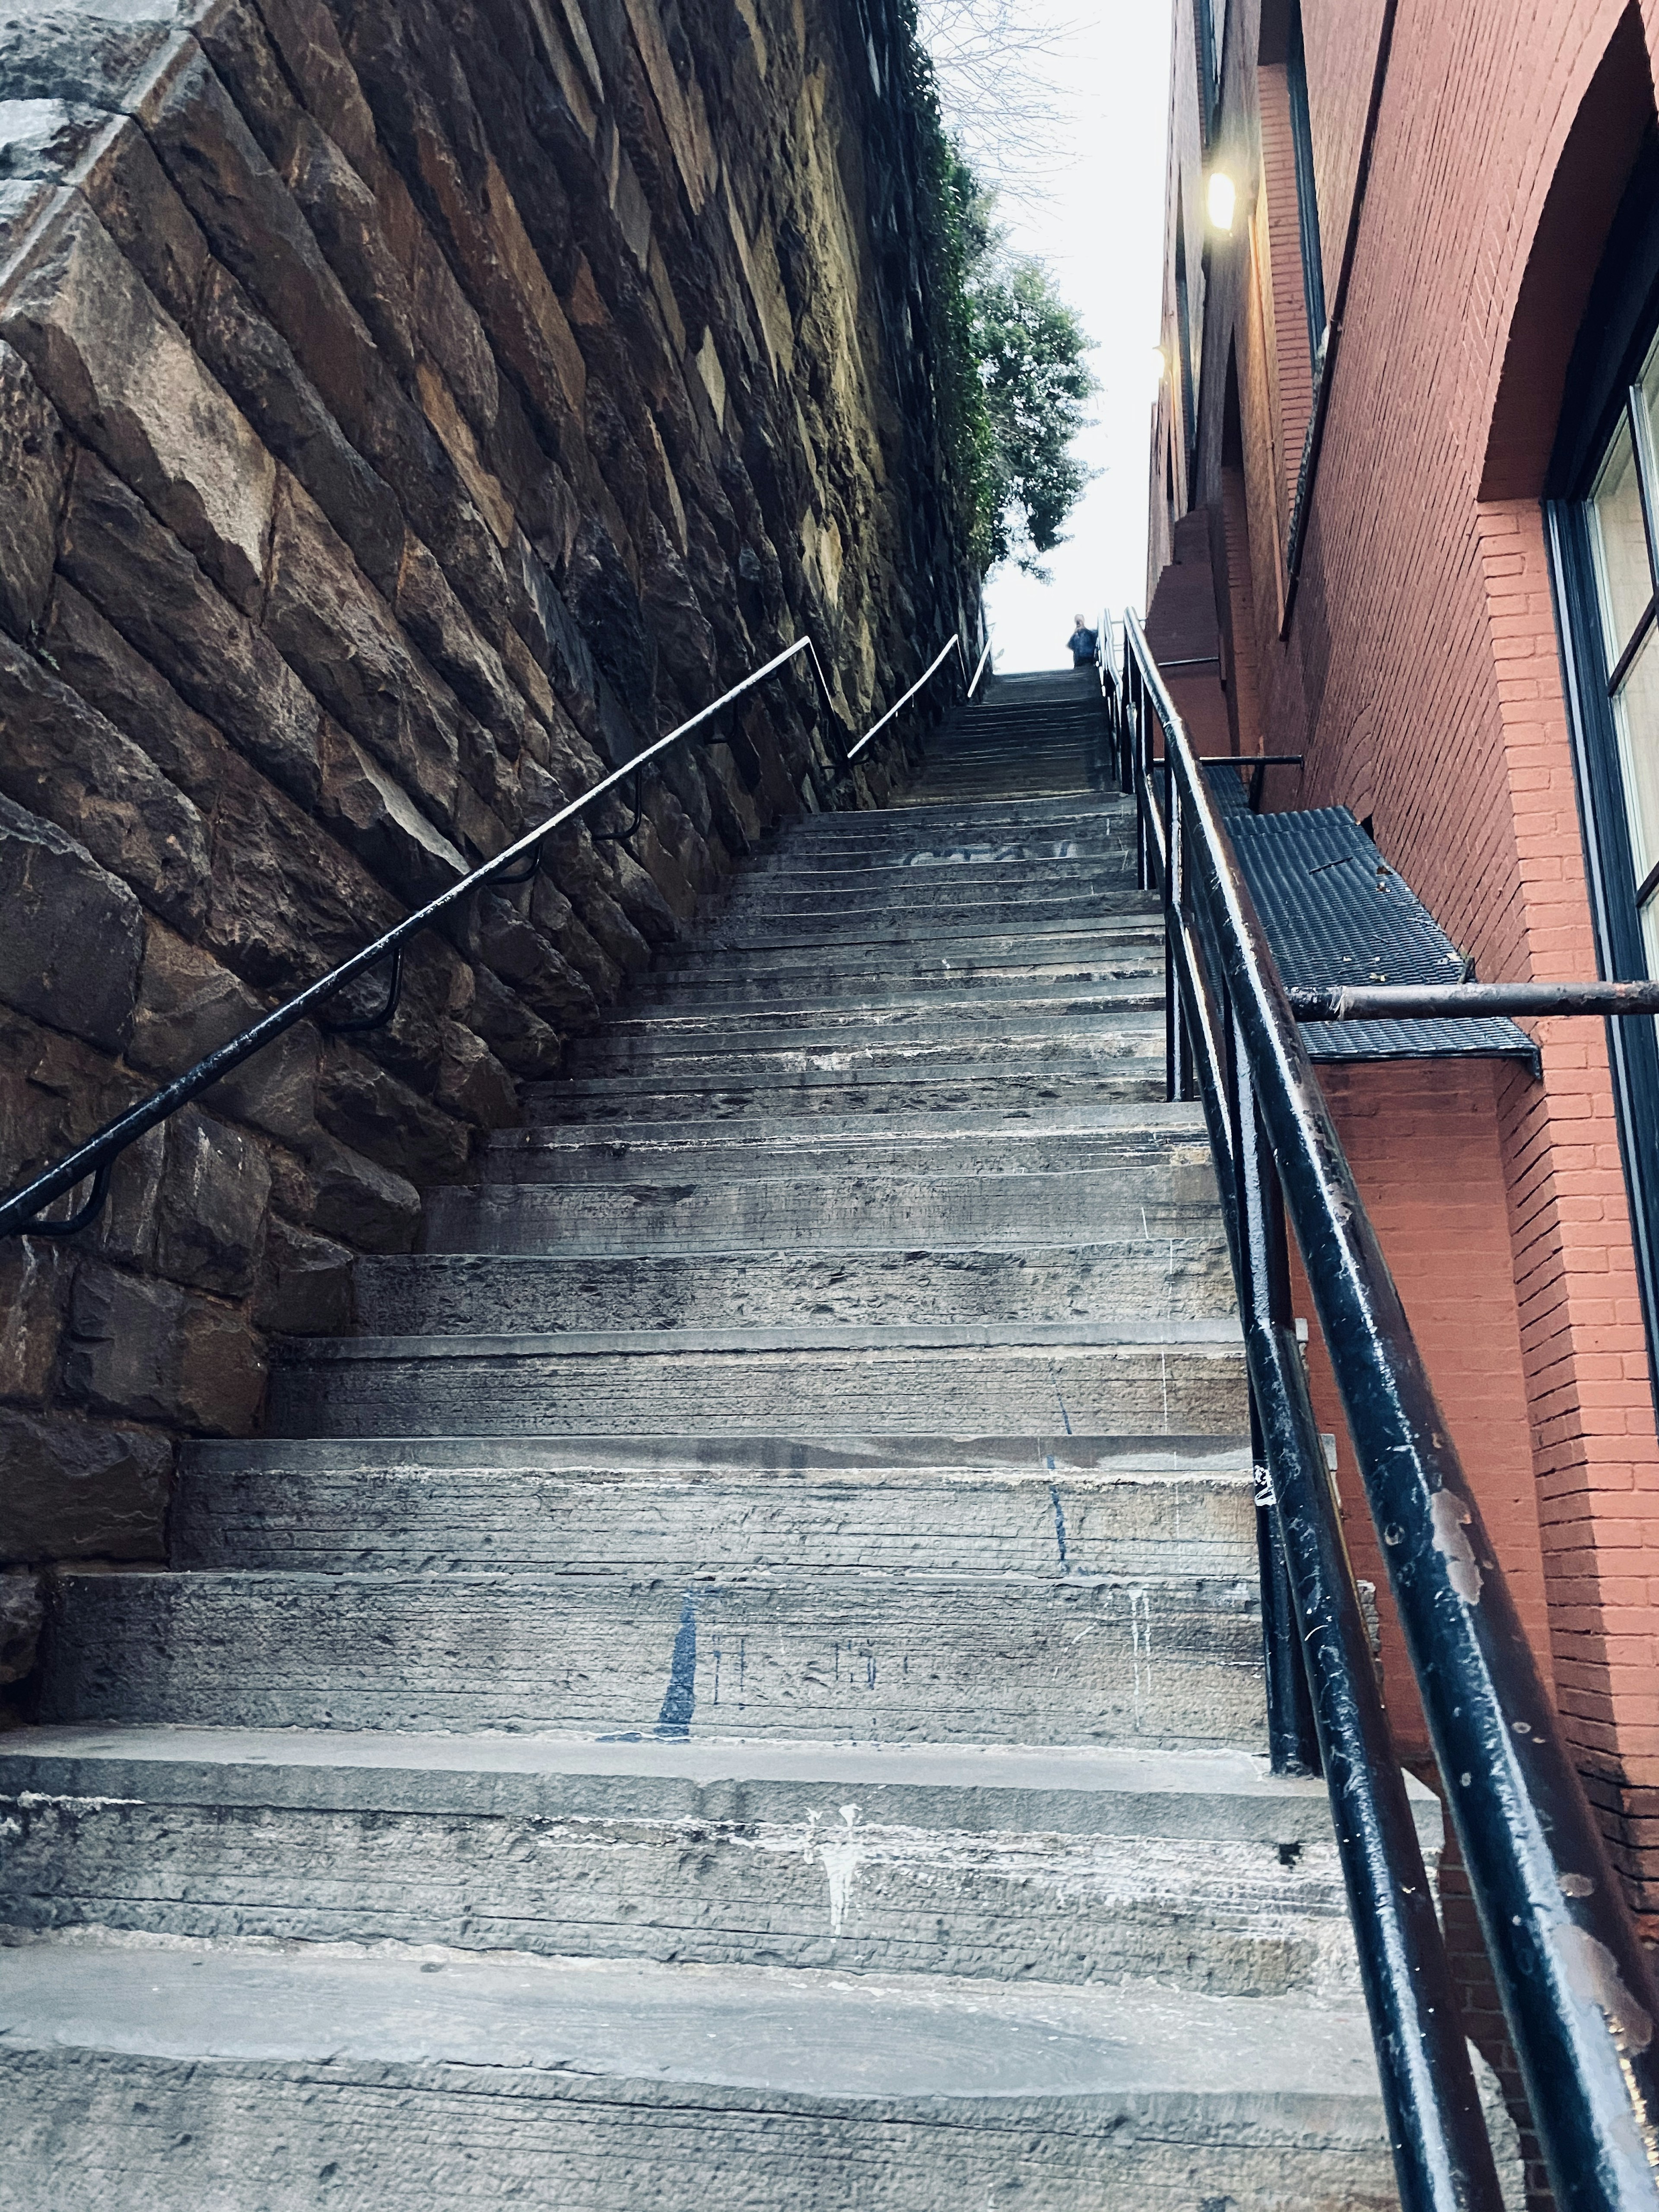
680, 1699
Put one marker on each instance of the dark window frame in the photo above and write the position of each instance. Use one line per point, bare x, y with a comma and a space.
1617, 331
1307, 185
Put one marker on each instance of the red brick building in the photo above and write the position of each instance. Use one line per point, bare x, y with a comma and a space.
1405, 520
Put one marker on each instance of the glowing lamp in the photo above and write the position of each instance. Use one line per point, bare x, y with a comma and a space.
1222, 199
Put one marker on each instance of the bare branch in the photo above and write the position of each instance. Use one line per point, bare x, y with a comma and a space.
996, 62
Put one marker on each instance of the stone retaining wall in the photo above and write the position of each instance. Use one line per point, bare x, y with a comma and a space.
408, 410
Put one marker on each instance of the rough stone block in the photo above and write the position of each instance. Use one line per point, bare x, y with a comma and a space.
188, 1005
345, 217
63, 760
68, 49
145, 582
305, 35
257, 366
34, 1281
73, 936
128, 190
153, 1353
472, 1082
305, 1283
256, 228
98, 664
22, 1613
344, 1195
71, 1490
522, 956
333, 627
372, 813
34, 467
359, 1101
435, 619
520, 1039
122, 373
287, 904
211, 1218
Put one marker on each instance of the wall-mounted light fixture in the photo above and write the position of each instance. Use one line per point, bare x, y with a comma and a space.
1221, 198
1159, 366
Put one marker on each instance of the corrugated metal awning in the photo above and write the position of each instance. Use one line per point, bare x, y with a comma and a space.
1335, 912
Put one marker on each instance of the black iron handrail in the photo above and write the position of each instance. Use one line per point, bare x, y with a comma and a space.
1575, 1985
20, 1210
952, 644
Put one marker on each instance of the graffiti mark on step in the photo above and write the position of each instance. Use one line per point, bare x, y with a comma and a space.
680, 1699
841, 1855
1140, 1645
1053, 1376
1060, 1518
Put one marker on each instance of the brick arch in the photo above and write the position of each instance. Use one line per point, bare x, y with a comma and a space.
1606, 106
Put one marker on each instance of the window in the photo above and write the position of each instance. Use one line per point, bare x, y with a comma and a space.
1307, 193
1623, 504
1212, 24
1603, 517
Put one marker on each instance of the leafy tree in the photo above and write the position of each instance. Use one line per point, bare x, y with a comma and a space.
1029, 348
1011, 379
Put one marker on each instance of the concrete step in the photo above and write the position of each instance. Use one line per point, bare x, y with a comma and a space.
1162, 1192
824, 920
683, 1508
938, 1016
1184, 1377
791, 983
758, 1092
1101, 840
1176, 1277
1079, 1047
942, 820
649, 1151
228, 2076
909, 885
936, 898
1061, 1866
860, 1656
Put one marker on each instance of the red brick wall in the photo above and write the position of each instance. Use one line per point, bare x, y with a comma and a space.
1419, 671
1422, 1137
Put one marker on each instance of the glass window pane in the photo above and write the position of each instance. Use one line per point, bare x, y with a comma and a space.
1624, 585
1650, 382
1636, 718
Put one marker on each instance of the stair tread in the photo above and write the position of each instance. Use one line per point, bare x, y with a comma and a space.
1203, 1338
878, 2040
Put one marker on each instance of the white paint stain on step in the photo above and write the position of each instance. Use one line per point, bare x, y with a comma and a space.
841, 1855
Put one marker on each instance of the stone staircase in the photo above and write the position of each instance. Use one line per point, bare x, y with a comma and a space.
743, 1681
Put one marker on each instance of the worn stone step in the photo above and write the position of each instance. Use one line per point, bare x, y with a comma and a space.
1176, 1277
936, 1015
908, 885
760, 1093
937, 896
751, 929
1162, 1191
648, 1151
939, 819
861, 1656
233, 2075
1011, 1864
692, 1507
829, 969
1179, 1376
1062, 1049
730, 984
1101, 841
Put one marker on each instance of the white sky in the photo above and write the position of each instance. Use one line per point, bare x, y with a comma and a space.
1101, 231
